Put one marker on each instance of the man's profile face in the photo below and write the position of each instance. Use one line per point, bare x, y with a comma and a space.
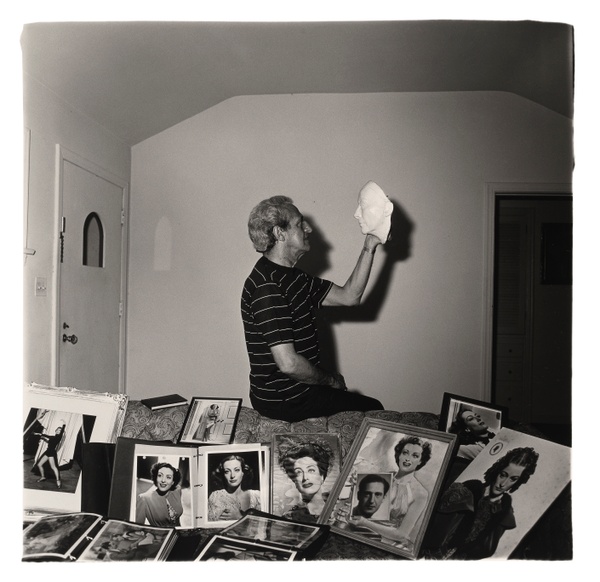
370, 498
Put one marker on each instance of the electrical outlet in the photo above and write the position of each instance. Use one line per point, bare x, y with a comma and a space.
40, 287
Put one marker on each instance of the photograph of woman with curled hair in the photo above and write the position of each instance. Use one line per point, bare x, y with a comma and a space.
503, 492
161, 504
408, 496
234, 489
301, 467
388, 485
473, 515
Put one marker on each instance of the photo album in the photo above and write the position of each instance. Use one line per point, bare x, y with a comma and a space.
86, 537
169, 485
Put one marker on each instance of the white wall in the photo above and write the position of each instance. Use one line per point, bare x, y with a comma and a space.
50, 121
194, 185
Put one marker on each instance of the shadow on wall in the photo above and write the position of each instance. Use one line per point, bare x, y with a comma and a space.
316, 262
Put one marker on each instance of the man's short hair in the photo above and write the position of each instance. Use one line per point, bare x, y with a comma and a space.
267, 214
373, 478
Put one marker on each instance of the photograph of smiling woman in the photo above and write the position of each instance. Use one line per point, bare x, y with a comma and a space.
162, 489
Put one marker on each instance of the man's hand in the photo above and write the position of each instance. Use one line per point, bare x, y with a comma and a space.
338, 381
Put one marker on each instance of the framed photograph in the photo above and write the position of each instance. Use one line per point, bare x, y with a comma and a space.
56, 422
261, 536
231, 481
220, 548
415, 459
266, 528
475, 423
498, 498
304, 469
210, 421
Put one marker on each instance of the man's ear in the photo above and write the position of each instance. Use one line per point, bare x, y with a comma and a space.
279, 233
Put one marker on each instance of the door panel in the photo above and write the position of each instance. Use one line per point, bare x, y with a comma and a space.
90, 264
533, 309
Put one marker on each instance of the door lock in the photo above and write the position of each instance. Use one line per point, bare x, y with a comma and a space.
70, 338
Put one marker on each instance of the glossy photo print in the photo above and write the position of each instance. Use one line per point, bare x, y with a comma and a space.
474, 422
232, 481
304, 470
388, 485
162, 493
57, 422
496, 500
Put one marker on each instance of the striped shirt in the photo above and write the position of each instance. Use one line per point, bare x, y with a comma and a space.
278, 306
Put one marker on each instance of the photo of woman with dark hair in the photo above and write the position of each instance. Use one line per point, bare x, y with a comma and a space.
307, 466
408, 496
232, 495
161, 504
50, 454
474, 515
472, 431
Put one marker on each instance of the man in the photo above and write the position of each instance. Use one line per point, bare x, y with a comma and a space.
372, 490
278, 311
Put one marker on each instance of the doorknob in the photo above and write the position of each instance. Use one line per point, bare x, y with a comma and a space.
70, 338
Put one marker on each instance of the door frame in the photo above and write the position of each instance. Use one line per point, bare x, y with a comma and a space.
492, 191
63, 155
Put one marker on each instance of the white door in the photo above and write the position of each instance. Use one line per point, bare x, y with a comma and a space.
91, 267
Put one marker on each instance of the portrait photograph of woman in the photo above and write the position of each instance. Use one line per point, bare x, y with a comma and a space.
415, 460
161, 490
304, 470
232, 478
488, 509
475, 423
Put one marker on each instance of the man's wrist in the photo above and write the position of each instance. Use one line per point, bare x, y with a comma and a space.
366, 249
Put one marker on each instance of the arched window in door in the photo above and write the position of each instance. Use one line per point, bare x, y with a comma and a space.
93, 241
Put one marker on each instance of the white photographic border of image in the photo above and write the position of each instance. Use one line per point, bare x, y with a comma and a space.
109, 412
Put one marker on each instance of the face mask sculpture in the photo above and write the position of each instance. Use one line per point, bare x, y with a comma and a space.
374, 211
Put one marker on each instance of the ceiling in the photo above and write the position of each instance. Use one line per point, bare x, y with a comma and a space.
139, 78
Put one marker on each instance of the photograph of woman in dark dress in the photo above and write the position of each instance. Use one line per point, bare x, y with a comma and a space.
472, 431
474, 515
50, 456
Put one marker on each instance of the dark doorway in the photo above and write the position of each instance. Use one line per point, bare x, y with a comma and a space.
532, 343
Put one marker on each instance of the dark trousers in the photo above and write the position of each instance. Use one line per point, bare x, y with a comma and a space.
317, 401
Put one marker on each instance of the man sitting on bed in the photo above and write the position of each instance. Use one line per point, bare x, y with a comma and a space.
278, 311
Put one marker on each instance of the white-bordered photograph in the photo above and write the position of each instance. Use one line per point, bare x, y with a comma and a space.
474, 422
231, 481
418, 459
56, 422
496, 500
370, 496
305, 467
57, 536
225, 549
162, 492
281, 532
125, 542
211, 421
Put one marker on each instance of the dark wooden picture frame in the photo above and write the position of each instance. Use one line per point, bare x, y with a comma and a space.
486, 420
210, 421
